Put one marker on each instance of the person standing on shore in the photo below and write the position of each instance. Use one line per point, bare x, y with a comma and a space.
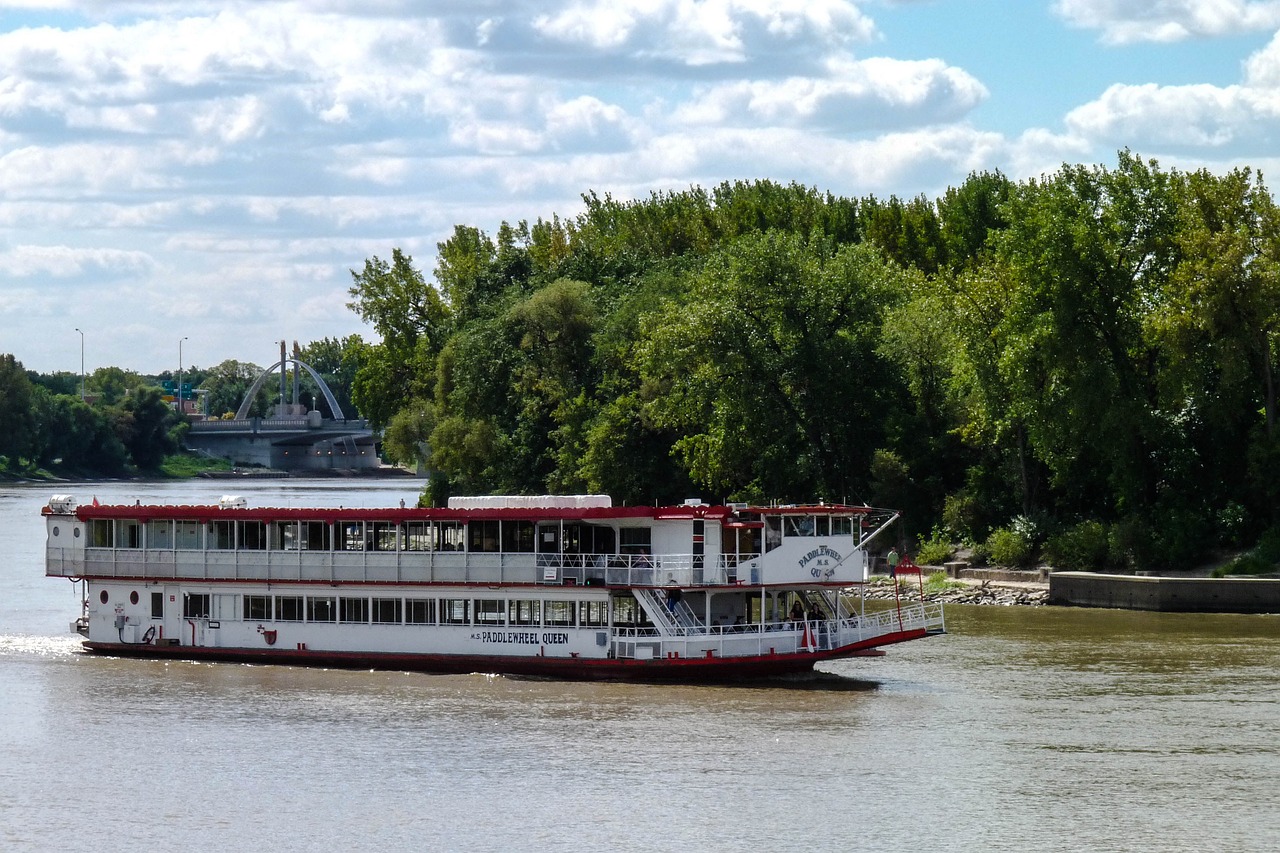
892, 560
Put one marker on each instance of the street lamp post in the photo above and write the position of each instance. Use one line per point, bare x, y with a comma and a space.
180, 340
81, 365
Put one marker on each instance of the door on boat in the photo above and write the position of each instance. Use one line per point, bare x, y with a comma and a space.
549, 550
172, 612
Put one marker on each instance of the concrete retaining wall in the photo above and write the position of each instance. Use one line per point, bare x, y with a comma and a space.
1177, 595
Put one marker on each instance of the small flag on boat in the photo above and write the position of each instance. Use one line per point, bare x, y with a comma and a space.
95, 500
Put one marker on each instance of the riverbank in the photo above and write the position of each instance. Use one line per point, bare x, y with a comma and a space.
1015, 589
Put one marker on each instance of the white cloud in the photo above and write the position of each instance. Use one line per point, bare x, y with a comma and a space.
704, 33
67, 262
858, 95
1233, 120
1125, 21
1150, 115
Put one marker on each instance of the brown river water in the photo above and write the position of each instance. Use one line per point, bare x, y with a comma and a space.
1022, 729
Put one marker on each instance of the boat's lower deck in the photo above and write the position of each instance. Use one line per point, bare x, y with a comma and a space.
580, 632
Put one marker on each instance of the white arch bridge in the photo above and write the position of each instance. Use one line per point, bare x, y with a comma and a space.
292, 439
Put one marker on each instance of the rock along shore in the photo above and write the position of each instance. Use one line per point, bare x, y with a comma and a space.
1031, 593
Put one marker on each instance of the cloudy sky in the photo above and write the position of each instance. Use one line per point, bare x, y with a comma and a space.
214, 171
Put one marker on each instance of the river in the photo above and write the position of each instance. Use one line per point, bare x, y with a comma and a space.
1022, 729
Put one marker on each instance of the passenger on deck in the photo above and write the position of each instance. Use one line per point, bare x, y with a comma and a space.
797, 612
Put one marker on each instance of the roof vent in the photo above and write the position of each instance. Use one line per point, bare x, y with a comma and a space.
232, 502
693, 502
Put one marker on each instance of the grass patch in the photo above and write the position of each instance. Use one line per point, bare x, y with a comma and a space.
186, 465
936, 582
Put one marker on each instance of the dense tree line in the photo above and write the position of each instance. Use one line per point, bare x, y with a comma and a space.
125, 423
1082, 362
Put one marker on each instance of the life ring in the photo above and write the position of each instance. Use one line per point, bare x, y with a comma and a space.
149, 635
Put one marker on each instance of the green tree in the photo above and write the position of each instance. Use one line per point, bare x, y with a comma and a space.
75, 436
1089, 249
144, 428
16, 439
770, 368
228, 382
337, 361
110, 384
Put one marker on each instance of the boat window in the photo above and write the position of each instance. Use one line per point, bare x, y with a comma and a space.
420, 611
159, 533
799, 525
841, 525
490, 611
593, 614
314, 535
353, 610
449, 536
635, 540
821, 525
157, 605
288, 608
482, 537
588, 539
195, 605
321, 608
517, 537
101, 533
386, 611
558, 613
257, 607
222, 535
772, 532
186, 535
627, 612
251, 535
226, 606
284, 536
418, 536
523, 611
384, 535
349, 536
455, 611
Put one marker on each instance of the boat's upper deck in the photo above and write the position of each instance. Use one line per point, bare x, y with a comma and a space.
540, 540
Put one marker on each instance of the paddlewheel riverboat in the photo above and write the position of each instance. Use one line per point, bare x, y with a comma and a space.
561, 586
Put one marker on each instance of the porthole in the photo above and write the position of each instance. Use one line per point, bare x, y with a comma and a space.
55, 530
75, 532
133, 597
102, 596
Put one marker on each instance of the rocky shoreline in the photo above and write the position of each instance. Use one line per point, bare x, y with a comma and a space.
1024, 594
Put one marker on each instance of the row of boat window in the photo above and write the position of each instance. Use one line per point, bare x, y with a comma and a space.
480, 612
804, 526
489, 536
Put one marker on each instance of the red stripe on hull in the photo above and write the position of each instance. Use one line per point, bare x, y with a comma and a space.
690, 670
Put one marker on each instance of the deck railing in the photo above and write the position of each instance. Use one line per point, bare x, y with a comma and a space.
686, 570
775, 637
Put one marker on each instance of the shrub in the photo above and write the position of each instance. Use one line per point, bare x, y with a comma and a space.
979, 554
1260, 561
1085, 547
935, 550
1011, 546
961, 514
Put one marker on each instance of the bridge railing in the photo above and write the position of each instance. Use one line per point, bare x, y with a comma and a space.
271, 425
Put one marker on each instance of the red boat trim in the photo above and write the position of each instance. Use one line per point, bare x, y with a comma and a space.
705, 669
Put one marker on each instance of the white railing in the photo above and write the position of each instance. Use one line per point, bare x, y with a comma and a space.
623, 570
664, 640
